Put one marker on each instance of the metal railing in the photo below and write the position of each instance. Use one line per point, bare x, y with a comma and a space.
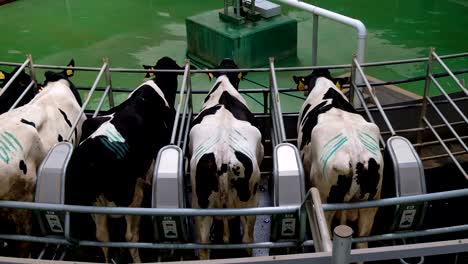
313, 208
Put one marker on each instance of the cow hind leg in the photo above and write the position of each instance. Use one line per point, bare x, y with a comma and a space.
23, 225
102, 233
248, 223
203, 225
365, 223
133, 221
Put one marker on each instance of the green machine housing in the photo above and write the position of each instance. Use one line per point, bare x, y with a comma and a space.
210, 39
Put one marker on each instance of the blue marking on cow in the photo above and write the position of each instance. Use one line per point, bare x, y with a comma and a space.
9, 145
369, 143
330, 149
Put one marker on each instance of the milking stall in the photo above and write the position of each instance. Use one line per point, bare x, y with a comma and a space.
423, 140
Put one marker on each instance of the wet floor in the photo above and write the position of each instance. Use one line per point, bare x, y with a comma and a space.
132, 33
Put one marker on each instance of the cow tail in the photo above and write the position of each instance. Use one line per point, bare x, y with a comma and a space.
224, 186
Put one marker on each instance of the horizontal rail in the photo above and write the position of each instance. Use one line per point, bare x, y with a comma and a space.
302, 68
450, 73
149, 211
188, 246
410, 234
398, 200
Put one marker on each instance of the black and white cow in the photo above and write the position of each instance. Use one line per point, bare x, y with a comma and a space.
14, 91
340, 150
110, 166
26, 135
226, 152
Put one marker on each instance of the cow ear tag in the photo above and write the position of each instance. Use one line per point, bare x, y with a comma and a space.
151, 74
239, 76
338, 85
69, 72
211, 76
2, 76
301, 86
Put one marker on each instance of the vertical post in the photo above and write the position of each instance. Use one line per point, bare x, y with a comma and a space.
427, 87
341, 244
109, 83
352, 83
361, 49
32, 72
252, 7
238, 5
226, 7
315, 39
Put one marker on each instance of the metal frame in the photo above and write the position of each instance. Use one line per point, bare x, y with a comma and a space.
369, 254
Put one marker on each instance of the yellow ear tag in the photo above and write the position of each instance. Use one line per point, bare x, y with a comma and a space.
338, 85
41, 89
239, 75
151, 74
2, 76
210, 75
301, 86
69, 72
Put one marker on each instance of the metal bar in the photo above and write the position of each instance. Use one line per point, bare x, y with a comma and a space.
101, 101
443, 155
88, 98
238, 8
61, 241
31, 84
460, 112
398, 200
451, 56
437, 142
445, 147
225, 7
149, 211
32, 71
324, 232
12, 79
186, 105
301, 68
366, 109
341, 244
450, 72
188, 245
109, 84
410, 250
427, 87
376, 100
315, 39
447, 124
401, 235
276, 102
413, 79
181, 98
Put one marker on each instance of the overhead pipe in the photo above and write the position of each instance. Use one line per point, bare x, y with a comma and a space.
357, 24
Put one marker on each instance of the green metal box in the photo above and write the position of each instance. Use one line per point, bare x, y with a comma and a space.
210, 39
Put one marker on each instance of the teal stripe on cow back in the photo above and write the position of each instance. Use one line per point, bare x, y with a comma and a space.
9, 145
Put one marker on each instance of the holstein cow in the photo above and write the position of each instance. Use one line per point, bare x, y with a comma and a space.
26, 135
226, 152
340, 150
109, 168
14, 91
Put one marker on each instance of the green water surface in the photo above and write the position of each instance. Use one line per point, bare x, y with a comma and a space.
136, 32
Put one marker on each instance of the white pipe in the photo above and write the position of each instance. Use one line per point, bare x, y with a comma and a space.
357, 24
